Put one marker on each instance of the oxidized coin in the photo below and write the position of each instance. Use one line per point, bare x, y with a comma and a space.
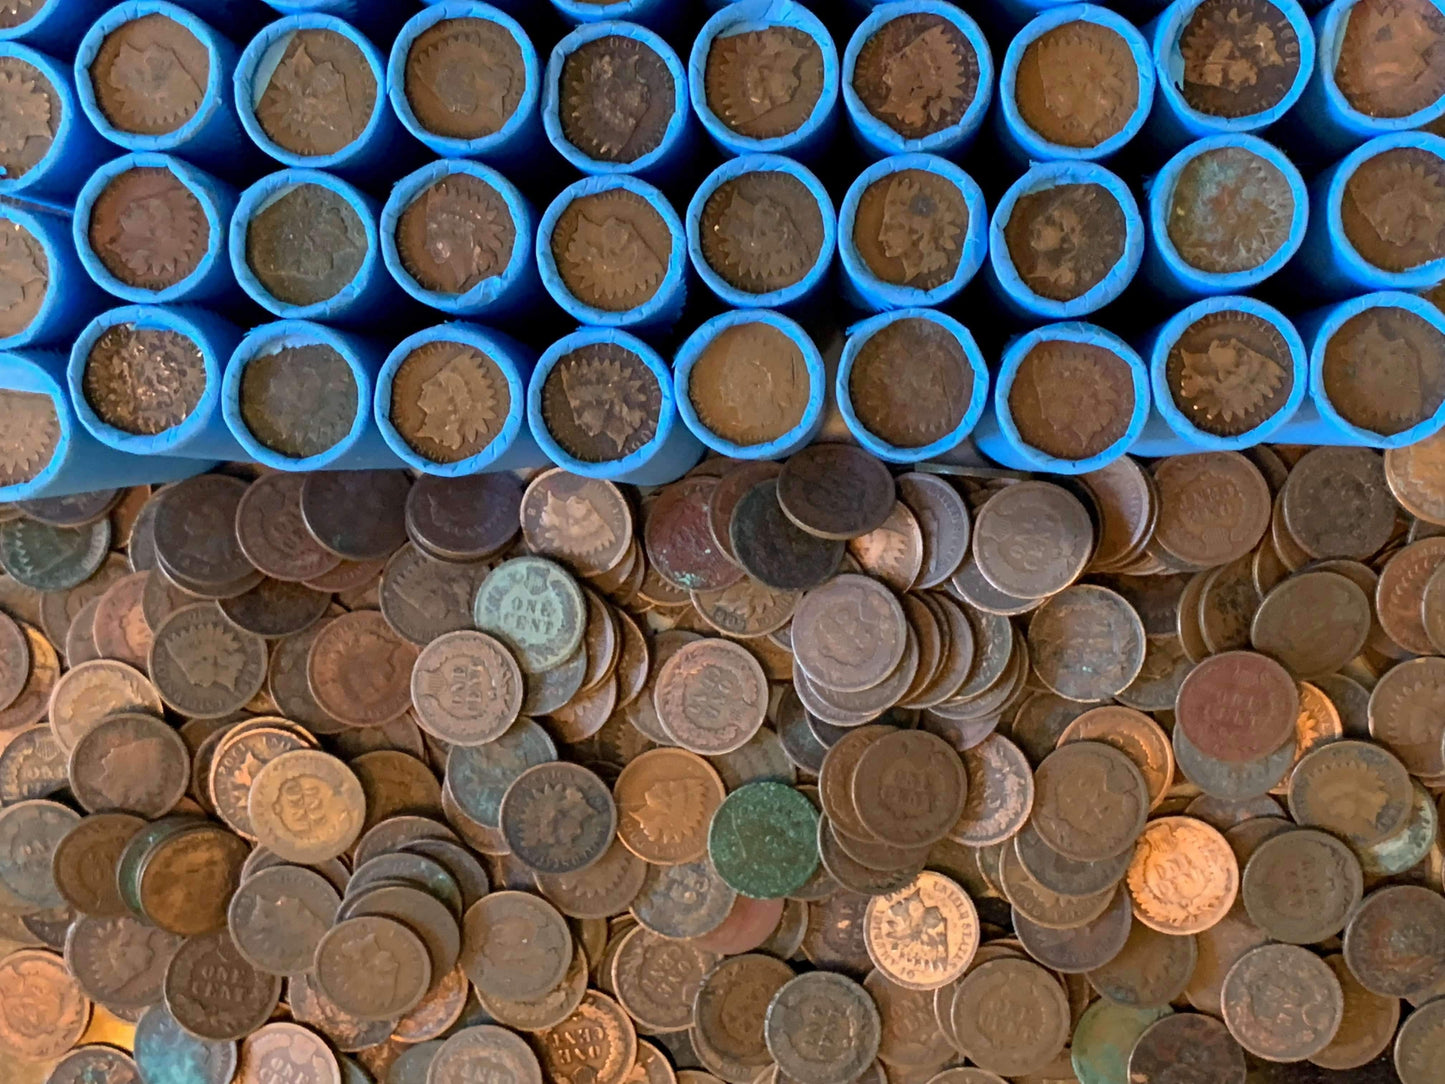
656, 978
602, 890
1395, 941
535, 609
272, 534
279, 915
84, 863
1336, 503
584, 522
999, 794
682, 901
1093, 110
1150, 971
612, 248
924, 935
1420, 1044
616, 98
307, 245
45, 1011
730, 1009
558, 818
484, 1052
836, 491
516, 947
463, 519
1063, 239
1262, 45
466, 688
1300, 886
130, 763
1032, 539
1282, 1002
1405, 714
1011, 1016
29, 833
186, 879
601, 402
95, 1064
911, 384
597, 1044
357, 515
204, 666
764, 82
666, 799
762, 231
306, 806
763, 840
822, 1027
299, 401
1135, 735
1187, 1048
1366, 345
1071, 400
359, 670
1313, 623
849, 634
909, 788
195, 535
1105, 1035
1213, 507
478, 776
1094, 777
1238, 706
120, 962
88, 693
773, 549
52, 558
1353, 789
750, 384
679, 541
373, 968
547, 1011
423, 597
1086, 643
281, 1051
711, 696
449, 401
214, 993
143, 381
1043, 907
1081, 949
1184, 877
1229, 371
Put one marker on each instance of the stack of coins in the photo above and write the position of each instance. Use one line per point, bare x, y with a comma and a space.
802, 772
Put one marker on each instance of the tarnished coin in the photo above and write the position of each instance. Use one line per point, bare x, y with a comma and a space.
203, 665
1011, 1016
535, 609
773, 549
120, 962
423, 597
1096, 777
52, 558
481, 1052
195, 535
1405, 716
558, 818
46, 1012
1395, 941
711, 696
1313, 623
1187, 1048
1366, 1026
1135, 735
1352, 789
478, 776
463, 519
682, 901
656, 978
822, 1027
1300, 886
130, 763
1086, 643
1083, 948
1213, 507
285, 1051
214, 993
84, 863
909, 788
849, 634
836, 491
1150, 971
278, 916
923, 935
597, 1044
306, 806
1238, 706
665, 802
943, 519
1184, 878
602, 890
1420, 1044
355, 953
359, 670
1032, 539
729, 1013
168, 1054
237, 758
1042, 906
1105, 1036
1282, 1002
1336, 503
1000, 793
32, 765
763, 840
272, 534
515, 946
545, 1012
357, 515
466, 688
87, 693
29, 833
585, 523
679, 541
186, 879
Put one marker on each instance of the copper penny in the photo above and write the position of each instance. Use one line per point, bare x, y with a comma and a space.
186, 879
1089, 775
665, 801
535, 609
750, 384
787, 59
1011, 1016
612, 248
53, 1011
617, 98
89, 692
1210, 238
1313, 623
466, 688
600, 402
279, 915
683, 901
85, 860
836, 491
1184, 877
1150, 971
1065, 262
1414, 475
203, 665
773, 549
1000, 793
1135, 735
1238, 706
1187, 1048
1282, 1002
923, 935
347, 959
463, 519
196, 542
515, 946
711, 696
1336, 503
1213, 507
1352, 789
449, 400
597, 1043
849, 634
1375, 338
214, 993
359, 670
1418, 1045
302, 110
1074, 116
1086, 643
357, 515
306, 806
1403, 717
558, 818
1082, 421
679, 541
1395, 941
583, 522
423, 598
130, 763
909, 788
729, 1012
1300, 886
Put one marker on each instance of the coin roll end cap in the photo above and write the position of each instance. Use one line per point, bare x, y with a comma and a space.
75, 149
71, 296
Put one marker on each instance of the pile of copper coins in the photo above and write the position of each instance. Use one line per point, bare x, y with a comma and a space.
797, 773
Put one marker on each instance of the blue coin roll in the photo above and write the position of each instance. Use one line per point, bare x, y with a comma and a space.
1077, 135
215, 201
997, 434
609, 259
55, 26
753, 370
859, 336
1371, 364
1341, 109
475, 67
1210, 188
760, 221
920, 95
370, 288
377, 19
371, 152
1367, 233
361, 447
779, 77
1009, 286
77, 463
605, 403
660, 15
456, 395
184, 111
61, 147
510, 285
201, 434
47, 296
1199, 391
617, 115
1223, 71
920, 234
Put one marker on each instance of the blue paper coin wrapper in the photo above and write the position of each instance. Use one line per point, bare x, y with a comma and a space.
529, 178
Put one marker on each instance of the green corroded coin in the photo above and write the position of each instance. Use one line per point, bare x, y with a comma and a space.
1106, 1034
534, 607
167, 1053
763, 840
53, 558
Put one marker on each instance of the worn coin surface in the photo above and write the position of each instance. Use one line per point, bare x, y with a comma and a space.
1187, 1048
923, 935
1301, 886
822, 1027
836, 491
1183, 877
1282, 1002
1098, 778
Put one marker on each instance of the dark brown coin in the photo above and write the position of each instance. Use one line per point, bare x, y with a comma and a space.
1395, 941
278, 916
14, 661
1354, 789
463, 519
911, 383
454, 235
764, 83
600, 402
420, 911
612, 248
1150, 971
359, 670
1407, 355
1063, 240
1336, 503
357, 515
1403, 173
186, 879
679, 542
30, 417
149, 75
1098, 777
449, 400
1282, 1002
85, 860
516, 947
836, 491
203, 665
1071, 400
1373, 36
1077, 84
464, 78
120, 961
762, 231
143, 381
1013, 1016
1187, 1048
306, 246
320, 94
95, 1064
773, 549
909, 788
1083, 948
750, 384
1229, 372
130, 764
1300, 886
1257, 224
299, 401
342, 1030
617, 98
373, 968
276, 608
1263, 51
729, 1010
423, 598
558, 818
918, 74
214, 993
73, 510
31, 141
196, 538
1238, 706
